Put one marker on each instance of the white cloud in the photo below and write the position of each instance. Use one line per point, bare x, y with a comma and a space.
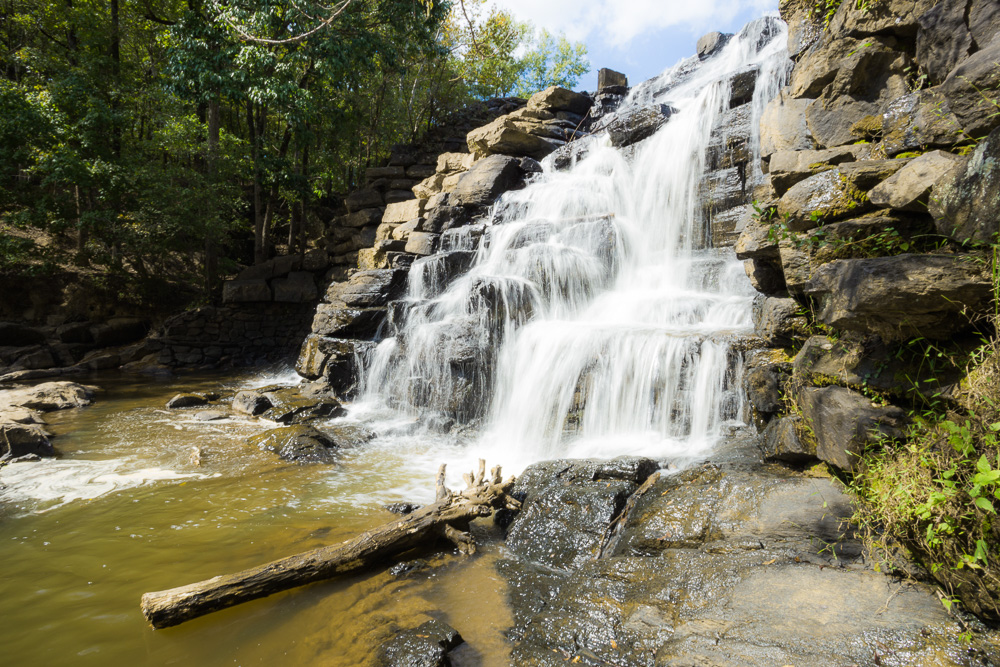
616, 22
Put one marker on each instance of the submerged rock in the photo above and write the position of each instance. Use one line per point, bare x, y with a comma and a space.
426, 645
186, 401
300, 444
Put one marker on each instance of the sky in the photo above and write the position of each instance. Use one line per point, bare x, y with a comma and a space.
638, 37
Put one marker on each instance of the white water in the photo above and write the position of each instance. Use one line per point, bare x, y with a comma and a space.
596, 319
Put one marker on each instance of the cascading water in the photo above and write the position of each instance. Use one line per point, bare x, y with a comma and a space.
595, 318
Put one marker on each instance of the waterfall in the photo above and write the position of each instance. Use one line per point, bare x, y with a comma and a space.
590, 314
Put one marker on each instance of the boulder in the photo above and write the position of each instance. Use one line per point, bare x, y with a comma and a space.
984, 21
903, 296
336, 321
765, 375
917, 121
453, 163
17, 440
635, 124
971, 89
402, 232
710, 44
966, 201
300, 444
909, 188
427, 645
404, 211
819, 199
429, 187
783, 126
556, 98
245, 291
332, 360
362, 199
296, 287
805, 25
786, 439
443, 218
290, 406
898, 18
75, 333
779, 321
756, 241
609, 78
368, 288
251, 402
765, 276
846, 423
422, 243
486, 181
943, 39
512, 135
567, 506
47, 396
362, 218
186, 401
786, 168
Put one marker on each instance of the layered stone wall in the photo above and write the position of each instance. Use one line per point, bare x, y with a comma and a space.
883, 157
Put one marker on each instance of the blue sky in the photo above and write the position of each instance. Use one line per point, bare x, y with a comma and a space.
638, 37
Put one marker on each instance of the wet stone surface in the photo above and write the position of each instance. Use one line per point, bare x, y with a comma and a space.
733, 562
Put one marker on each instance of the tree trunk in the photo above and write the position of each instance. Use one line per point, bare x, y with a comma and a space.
211, 252
448, 517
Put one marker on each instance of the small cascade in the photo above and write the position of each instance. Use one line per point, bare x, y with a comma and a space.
591, 314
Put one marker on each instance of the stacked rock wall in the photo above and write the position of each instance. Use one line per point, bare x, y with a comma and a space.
883, 157
437, 223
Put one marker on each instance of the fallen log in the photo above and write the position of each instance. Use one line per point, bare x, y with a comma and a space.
447, 517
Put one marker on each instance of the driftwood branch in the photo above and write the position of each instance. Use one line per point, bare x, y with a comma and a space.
448, 518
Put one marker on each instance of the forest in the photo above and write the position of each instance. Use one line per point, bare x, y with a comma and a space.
176, 140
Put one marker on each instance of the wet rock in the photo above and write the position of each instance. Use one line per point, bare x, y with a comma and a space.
290, 406
402, 508
786, 439
427, 645
903, 296
209, 415
637, 124
965, 201
567, 506
710, 44
909, 188
486, 181
251, 402
331, 360
846, 423
443, 218
186, 401
766, 276
805, 25
756, 242
300, 444
966, 86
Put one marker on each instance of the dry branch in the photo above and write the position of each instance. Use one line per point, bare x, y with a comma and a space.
448, 517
